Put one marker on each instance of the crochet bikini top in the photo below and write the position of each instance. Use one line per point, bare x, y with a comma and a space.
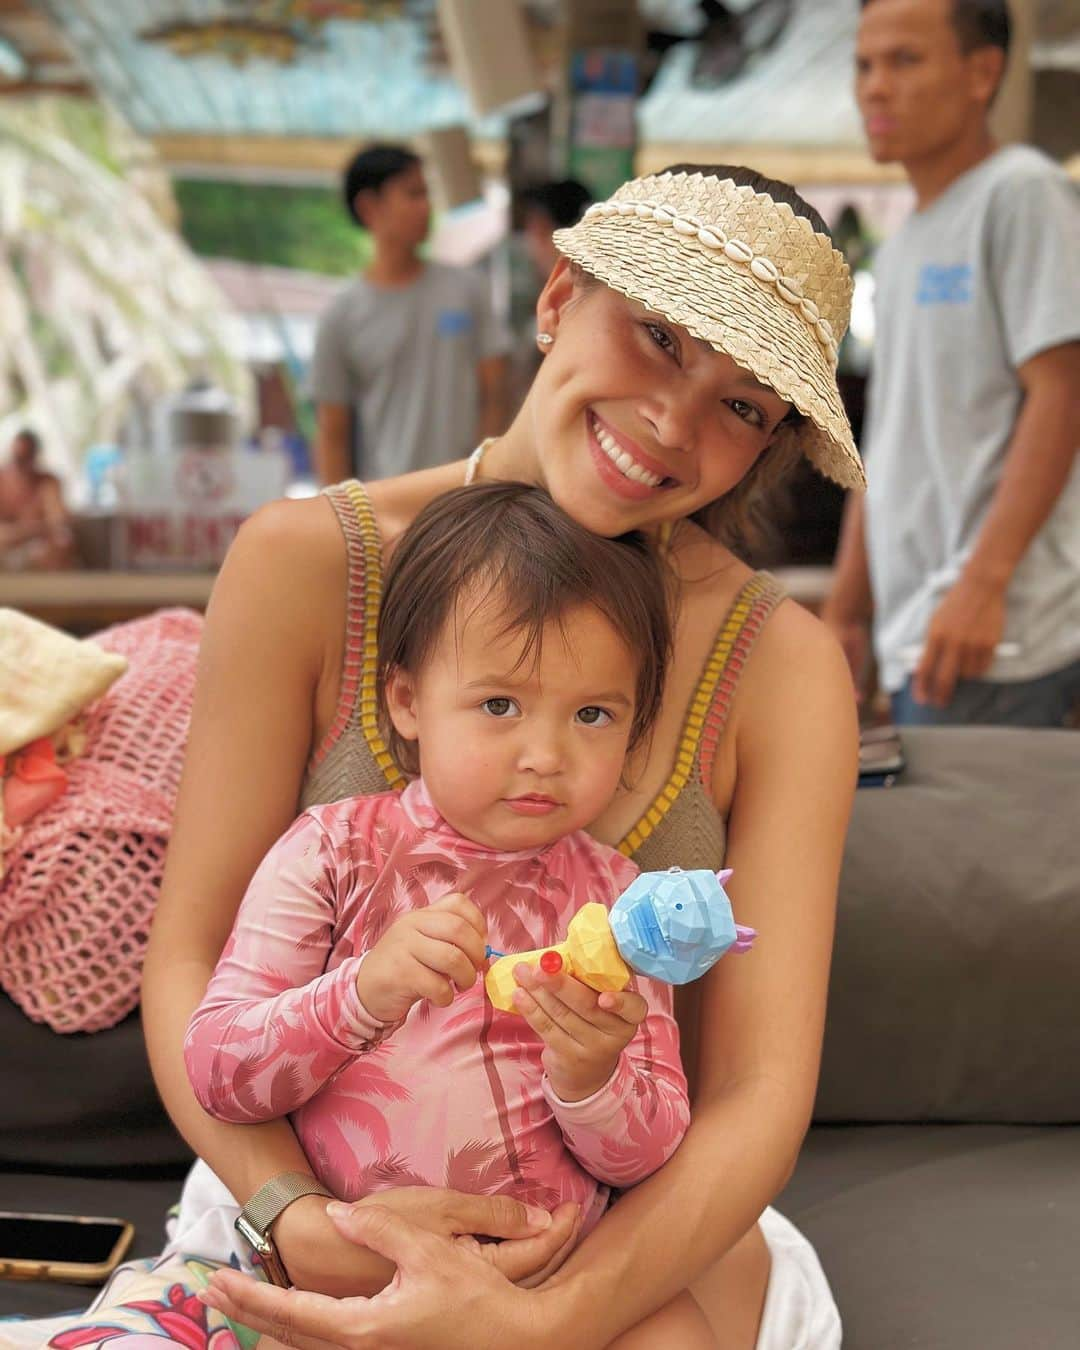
681, 826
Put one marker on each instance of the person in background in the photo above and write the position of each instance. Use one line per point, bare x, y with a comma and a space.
35, 531
967, 552
409, 367
546, 207
543, 208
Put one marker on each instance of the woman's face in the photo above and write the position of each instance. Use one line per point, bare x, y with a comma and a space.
635, 421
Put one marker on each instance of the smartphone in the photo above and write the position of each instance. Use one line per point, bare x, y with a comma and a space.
881, 756
74, 1248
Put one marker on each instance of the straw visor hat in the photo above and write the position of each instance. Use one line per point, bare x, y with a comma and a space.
744, 273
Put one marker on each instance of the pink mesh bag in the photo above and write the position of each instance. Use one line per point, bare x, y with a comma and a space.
83, 875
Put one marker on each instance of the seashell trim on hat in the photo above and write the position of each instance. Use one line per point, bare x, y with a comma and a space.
713, 237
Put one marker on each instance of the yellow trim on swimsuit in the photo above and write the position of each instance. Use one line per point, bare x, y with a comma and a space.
368, 704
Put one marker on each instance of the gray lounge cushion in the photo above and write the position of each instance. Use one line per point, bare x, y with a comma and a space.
957, 957
81, 1102
946, 1237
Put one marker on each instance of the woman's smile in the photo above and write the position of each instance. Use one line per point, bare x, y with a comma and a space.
623, 465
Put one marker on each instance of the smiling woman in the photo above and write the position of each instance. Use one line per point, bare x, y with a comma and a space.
702, 315
751, 253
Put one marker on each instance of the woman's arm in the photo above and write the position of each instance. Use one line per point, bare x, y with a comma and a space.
796, 743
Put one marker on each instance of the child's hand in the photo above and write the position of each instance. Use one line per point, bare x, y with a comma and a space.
584, 1032
425, 954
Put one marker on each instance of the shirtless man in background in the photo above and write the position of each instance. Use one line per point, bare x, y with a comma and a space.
35, 532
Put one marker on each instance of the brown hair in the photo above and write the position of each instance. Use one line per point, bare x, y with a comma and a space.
513, 541
775, 188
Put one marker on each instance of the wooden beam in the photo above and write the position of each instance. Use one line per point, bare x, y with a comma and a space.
19, 88
300, 159
85, 602
792, 163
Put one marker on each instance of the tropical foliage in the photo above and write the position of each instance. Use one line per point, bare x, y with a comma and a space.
104, 308
272, 224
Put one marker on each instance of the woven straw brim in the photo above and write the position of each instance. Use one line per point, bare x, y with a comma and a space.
719, 301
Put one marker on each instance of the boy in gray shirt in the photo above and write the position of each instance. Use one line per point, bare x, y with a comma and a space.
968, 546
408, 369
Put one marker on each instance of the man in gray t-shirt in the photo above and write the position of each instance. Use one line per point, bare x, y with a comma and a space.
409, 367
967, 548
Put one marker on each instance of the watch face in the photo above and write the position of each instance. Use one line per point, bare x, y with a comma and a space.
251, 1235
274, 1267
264, 1255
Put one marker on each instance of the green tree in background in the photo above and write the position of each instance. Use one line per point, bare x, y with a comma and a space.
279, 226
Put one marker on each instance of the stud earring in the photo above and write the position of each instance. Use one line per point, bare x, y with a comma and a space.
544, 340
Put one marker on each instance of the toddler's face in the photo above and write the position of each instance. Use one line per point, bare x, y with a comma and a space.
516, 750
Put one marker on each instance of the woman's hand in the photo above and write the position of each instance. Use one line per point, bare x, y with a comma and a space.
531, 1245
445, 1296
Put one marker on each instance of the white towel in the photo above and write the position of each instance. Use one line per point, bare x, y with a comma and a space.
800, 1312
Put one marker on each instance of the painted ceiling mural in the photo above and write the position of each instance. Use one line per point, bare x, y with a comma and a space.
321, 68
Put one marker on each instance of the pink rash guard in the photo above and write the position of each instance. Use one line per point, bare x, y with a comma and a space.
450, 1096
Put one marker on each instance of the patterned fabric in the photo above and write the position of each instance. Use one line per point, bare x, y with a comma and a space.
83, 875
452, 1096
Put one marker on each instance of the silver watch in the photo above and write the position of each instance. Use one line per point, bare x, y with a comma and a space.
257, 1217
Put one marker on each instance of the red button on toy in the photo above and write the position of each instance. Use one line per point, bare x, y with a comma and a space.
551, 963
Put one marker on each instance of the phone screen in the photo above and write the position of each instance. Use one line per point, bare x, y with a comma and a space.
55, 1237
880, 755
880, 751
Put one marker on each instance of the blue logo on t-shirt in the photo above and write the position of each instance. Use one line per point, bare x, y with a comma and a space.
454, 322
944, 285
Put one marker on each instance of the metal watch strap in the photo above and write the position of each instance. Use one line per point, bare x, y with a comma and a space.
256, 1218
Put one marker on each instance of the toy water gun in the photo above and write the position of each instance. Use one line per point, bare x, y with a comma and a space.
672, 926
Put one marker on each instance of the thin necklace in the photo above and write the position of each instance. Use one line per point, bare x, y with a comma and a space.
472, 470
472, 464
